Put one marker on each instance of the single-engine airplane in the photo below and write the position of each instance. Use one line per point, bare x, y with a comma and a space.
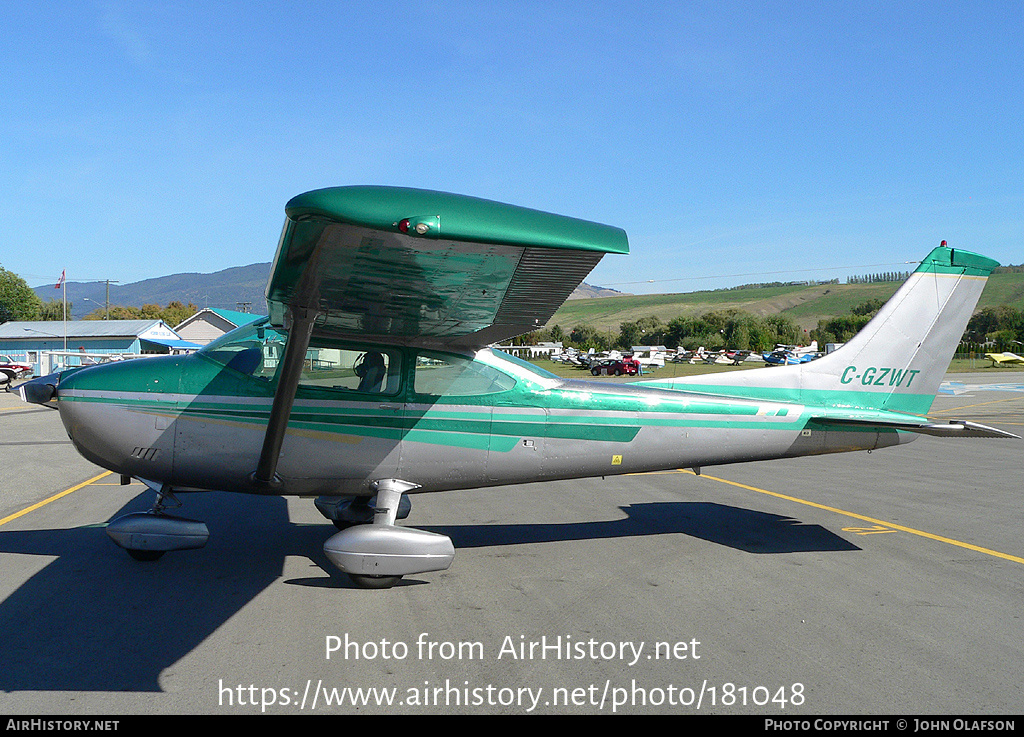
1004, 359
371, 379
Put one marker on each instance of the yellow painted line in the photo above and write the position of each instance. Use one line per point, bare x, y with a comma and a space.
874, 530
861, 517
53, 498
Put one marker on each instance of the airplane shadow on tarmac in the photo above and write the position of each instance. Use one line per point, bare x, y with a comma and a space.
96, 620
742, 529
93, 619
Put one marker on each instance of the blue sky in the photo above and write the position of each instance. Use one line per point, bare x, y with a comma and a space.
734, 142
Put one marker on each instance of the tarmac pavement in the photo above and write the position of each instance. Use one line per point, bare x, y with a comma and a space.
885, 583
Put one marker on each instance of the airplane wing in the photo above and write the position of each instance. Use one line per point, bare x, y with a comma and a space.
392, 264
405, 264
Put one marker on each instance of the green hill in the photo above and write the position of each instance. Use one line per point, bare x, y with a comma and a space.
804, 304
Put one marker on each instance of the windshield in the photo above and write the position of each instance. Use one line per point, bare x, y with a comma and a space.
255, 349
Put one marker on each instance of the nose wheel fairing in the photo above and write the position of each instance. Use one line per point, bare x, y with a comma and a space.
389, 551
148, 535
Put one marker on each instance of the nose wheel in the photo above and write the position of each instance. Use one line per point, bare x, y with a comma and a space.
146, 536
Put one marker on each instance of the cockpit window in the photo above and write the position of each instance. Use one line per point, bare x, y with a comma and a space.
257, 350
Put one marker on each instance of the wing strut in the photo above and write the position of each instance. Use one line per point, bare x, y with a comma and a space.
294, 355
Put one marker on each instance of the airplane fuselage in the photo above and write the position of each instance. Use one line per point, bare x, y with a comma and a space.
192, 422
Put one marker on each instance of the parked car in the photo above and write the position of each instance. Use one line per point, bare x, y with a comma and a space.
616, 367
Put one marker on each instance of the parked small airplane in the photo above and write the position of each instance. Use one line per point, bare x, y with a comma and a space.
372, 379
784, 355
12, 369
1004, 359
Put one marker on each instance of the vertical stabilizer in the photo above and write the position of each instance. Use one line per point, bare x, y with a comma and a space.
896, 362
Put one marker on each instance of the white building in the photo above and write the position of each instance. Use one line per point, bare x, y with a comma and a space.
540, 350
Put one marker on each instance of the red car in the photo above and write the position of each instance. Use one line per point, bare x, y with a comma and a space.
11, 369
617, 367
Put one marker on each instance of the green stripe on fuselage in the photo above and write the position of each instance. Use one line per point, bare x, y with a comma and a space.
914, 404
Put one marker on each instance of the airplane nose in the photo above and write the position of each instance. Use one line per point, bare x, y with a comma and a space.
40, 390
120, 415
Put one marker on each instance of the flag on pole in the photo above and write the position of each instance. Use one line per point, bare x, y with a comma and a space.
59, 281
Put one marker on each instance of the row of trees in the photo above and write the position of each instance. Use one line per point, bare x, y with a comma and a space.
991, 329
173, 314
996, 329
713, 330
885, 276
840, 329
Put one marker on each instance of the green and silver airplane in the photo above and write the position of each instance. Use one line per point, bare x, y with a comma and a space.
372, 379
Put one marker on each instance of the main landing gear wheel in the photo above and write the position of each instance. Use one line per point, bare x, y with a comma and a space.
378, 554
145, 555
374, 582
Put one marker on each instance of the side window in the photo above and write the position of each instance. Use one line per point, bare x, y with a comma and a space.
441, 376
362, 370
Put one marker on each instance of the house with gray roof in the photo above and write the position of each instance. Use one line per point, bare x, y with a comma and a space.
209, 324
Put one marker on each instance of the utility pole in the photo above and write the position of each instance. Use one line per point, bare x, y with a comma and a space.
106, 315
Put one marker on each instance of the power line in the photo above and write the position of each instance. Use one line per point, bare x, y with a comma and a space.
758, 273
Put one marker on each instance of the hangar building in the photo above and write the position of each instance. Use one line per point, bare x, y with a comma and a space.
42, 343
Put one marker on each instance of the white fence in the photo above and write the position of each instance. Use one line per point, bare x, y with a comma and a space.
51, 361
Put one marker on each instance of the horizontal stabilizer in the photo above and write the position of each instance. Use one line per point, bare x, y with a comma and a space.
951, 429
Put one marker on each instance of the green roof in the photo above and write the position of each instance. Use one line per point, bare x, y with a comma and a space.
235, 317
